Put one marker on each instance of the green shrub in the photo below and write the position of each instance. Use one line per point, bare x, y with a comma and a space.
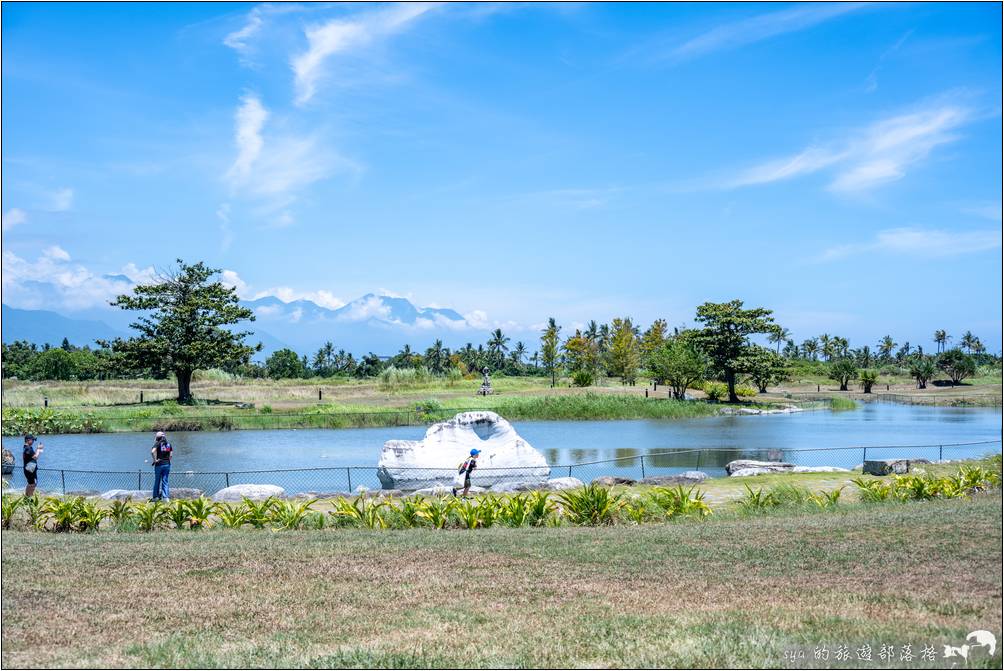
716, 391
757, 501
583, 378
591, 505
840, 403
680, 502
744, 391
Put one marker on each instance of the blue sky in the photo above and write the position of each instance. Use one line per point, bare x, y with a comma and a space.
840, 164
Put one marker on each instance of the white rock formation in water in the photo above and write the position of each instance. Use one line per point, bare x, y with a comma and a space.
432, 461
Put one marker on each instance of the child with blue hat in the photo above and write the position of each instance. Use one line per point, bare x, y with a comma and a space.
466, 469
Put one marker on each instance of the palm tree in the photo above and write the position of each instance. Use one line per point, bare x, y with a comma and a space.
592, 330
810, 348
497, 347
941, 339
778, 335
435, 357
826, 346
519, 352
534, 359
885, 347
968, 340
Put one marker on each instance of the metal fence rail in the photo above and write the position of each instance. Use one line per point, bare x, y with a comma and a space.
346, 479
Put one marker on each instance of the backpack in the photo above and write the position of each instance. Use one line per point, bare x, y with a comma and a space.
463, 467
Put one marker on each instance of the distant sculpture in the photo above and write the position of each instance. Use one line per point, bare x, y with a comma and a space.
486, 384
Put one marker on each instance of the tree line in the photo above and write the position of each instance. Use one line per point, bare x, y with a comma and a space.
189, 321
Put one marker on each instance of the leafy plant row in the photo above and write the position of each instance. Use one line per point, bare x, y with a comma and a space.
591, 505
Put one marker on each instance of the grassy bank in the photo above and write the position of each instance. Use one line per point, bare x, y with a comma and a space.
724, 592
172, 417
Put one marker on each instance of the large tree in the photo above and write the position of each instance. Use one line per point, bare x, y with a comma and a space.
957, 364
623, 357
763, 366
725, 336
679, 364
184, 326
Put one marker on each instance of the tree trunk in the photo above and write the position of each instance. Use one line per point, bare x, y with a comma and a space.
730, 379
843, 386
184, 385
923, 384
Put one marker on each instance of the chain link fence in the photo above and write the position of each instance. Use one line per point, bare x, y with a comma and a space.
347, 479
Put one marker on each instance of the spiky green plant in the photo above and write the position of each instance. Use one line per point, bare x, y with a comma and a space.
437, 511
757, 501
635, 510
489, 507
292, 516
788, 494
314, 520
9, 506
873, 491
541, 508
90, 515
361, 512
515, 511
259, 513
121, 513
680, 502
826, 499
63, 514
409, 512
151, 515
467, 513
591, 505
177, 511
200, 512
33, 508
231, 516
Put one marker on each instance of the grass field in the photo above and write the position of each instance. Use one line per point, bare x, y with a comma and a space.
725, 592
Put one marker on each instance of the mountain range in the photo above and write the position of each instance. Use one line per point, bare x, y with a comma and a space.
371, 323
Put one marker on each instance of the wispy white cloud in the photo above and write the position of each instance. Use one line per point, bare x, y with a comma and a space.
346, 34
239, 40
762, 27
871, 81
13, 217
273, 169
929, 243
869, 157
248, 124
55, 253
52, 281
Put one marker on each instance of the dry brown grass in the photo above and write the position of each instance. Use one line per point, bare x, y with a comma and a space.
727, 592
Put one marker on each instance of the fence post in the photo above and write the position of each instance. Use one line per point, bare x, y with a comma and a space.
62, 477
318, 393
348, 476
45, 400
226, 479
643, 466
646, 392
139, 479
569, 471
940, 455
864, 455
698, 460
141, 396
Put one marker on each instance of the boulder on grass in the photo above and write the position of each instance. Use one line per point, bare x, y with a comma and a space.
887, 466
685, 478
125, 494
237, 493
820, 469
557, 484
611, 480
760, 466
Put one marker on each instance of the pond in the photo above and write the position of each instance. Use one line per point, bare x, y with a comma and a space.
652, 447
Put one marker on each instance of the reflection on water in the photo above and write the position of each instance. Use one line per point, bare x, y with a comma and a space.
667, 446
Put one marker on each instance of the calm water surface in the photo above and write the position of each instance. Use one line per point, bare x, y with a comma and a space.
562, 442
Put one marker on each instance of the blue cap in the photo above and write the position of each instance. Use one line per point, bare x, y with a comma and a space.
475, 452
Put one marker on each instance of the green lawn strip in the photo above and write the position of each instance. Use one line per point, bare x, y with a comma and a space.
723, 592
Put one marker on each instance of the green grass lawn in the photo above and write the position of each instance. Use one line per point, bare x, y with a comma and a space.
730, 591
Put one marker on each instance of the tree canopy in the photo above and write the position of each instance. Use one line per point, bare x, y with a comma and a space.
725, 336
183, 327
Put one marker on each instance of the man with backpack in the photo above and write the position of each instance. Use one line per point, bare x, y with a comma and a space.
466, 469
161, 453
